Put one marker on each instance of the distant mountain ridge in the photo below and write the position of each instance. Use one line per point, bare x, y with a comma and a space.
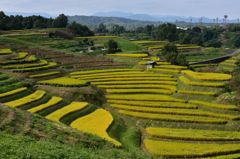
25, 14
156, 18
127, 18
96, 20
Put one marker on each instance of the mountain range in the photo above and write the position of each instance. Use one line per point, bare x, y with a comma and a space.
127, 18
160, 18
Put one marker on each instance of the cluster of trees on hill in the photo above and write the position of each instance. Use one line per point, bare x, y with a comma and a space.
114, 29
196, 35
20, 22
200, 35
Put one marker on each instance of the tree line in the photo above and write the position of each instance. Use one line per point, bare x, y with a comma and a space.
38, 22
200, 35
30, 22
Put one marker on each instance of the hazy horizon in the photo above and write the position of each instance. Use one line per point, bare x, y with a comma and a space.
187, 8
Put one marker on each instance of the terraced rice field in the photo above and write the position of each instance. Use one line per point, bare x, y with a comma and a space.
38, 101
96, 123
193, 134
189, 150
176, 110
229, 65
24, 62
5, 51
150, 99
63, 81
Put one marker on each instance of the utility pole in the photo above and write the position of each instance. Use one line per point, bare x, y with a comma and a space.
201, 20
190, 22
225, 19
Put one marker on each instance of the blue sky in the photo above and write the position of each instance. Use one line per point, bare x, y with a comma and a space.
196, 8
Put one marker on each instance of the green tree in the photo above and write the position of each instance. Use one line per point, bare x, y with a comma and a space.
117, 29
112, 46
61, 21
102, 28
165, 32
236, 40
80, 30
170, 52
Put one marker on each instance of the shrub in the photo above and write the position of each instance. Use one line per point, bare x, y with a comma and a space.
112, 46
80, 30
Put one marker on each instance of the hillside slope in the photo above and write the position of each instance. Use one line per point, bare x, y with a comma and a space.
24, 135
